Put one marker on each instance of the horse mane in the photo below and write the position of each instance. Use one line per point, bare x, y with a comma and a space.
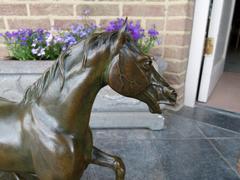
35, 91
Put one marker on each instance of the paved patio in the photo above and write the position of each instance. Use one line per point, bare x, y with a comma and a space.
197, 144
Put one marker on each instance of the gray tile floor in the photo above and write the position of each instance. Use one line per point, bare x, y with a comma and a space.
197, 144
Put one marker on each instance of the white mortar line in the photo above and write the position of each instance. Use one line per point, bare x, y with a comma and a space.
121, 9
74, 10
6, 23
83, 2
28, 10
165, 26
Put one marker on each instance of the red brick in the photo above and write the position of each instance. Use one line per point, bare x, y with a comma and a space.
159, 24
180, 10
29, 23
179, 90
176, 66
2, 26
143, 10
51, 9
3, 52
157, 51
174, 78
180, 101
180, 40
175, 52
120, 0
179, 25
182, 0
13, 9
155, 0
99, 9
66, 23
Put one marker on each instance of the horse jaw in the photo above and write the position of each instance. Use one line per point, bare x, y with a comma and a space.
151, 101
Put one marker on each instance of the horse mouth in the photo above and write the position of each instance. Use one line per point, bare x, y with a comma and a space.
172, 103
154, 103
151, 101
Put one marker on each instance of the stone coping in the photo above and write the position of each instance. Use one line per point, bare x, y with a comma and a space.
23, 67
38, 67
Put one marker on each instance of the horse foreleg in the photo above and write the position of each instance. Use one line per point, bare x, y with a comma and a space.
103, 159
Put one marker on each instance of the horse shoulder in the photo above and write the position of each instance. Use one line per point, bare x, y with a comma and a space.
54, 155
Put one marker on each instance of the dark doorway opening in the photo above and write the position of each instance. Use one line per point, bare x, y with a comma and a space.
226, 94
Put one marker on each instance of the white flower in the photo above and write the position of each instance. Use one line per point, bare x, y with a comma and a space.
49, 39
41, 52
35, 51
35, 41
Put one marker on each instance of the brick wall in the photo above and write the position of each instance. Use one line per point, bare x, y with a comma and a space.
173, 19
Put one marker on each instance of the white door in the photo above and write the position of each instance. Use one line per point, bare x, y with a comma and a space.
219, 30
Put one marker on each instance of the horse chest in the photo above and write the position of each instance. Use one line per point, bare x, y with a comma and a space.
82, 152
83, 145
69, 154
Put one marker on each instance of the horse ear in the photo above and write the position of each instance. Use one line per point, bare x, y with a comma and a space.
123, 28
120, 40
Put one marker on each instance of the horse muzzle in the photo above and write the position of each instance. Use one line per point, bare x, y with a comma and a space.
155, 95
168, 97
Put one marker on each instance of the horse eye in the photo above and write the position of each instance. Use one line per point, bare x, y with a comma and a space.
147, 64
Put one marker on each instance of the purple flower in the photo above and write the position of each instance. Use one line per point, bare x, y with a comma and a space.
115, 25
8, 34
76, 28
40, 30
69, 40
135, 30
42, 43
82, 34
58, 39
153, 32
23, 43
24, 38
49, 38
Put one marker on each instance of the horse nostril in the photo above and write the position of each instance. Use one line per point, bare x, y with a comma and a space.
173, 93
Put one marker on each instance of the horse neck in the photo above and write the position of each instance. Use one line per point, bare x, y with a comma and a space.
84, 90
72, 106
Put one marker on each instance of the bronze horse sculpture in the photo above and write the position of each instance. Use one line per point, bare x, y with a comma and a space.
47, 136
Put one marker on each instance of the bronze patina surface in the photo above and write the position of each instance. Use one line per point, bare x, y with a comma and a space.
46, 136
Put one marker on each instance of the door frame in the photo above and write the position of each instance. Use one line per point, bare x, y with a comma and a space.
200, 20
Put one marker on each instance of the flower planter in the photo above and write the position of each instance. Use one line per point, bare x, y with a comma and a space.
16, 76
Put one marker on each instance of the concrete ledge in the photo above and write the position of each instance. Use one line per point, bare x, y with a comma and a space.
24, 67
127, 120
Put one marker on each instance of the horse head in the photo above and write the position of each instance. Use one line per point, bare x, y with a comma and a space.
131, 74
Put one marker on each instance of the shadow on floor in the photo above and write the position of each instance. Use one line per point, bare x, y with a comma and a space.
197, 144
